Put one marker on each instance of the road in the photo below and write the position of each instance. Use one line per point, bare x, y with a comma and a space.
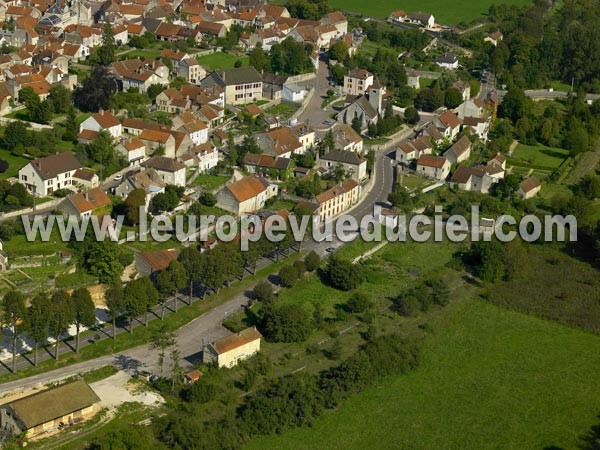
205, 328
313, 114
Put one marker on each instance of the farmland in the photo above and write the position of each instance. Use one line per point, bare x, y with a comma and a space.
444, 13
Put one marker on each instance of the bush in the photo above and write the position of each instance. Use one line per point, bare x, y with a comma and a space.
312, 261
358, 303
61, 193
343, 275
300, 268
207, 199
263, 291
288, 275
3, 165
200, 392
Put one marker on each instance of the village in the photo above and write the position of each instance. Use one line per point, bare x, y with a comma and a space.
228, 107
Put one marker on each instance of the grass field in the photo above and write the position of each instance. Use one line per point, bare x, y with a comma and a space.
489, 378
210, 182
14, 164
538, 156
444, 13
221, 60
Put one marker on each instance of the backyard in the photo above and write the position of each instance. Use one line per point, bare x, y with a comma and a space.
211, 182
544, 160
221, 60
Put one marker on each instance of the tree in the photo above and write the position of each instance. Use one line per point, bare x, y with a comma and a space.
115, 303
338, 51
71, 126
258, 58
28, 96
342, 274
263, 291
288, 275
286, 323
13, 312
357, 124
37, 322
62, 315
106, 51
359, 303
96, 90
312, 261
60, 98
589, 186
207, 199
101, 259
85, 311
429, 99
139, 295
177, 372
162, 339
15, 134
41, 112
169, 281
516, 105
452, 98
577, 140
337, 73
134, 201
411, 115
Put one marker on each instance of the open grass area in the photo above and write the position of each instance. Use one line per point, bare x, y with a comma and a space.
14, 164
220, 60
444, 13
538, 157
489, 378
284, 110
210, 182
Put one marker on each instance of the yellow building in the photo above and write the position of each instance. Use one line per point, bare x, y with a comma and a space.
50, 410
337, 199
228, 351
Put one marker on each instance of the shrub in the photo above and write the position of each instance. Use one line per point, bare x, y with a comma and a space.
286, 323
358, 303
263, 291
3, 165
312, 261
343, 275
288, 275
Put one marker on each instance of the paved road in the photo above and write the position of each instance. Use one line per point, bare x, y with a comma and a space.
313, 114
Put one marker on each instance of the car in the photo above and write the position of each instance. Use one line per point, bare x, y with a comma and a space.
118, 177
330, 249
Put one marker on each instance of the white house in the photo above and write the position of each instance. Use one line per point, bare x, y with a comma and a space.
460, 151
170, 170
529, 187
43, 176
449, 124
293, 93
436, 167
134, 150
103, 120
246, 195
447, 61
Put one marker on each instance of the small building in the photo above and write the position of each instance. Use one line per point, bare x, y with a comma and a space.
103, 120
84, 204
49, 410
246, 195
354, 165
293, 93
424, 19
170, 170
133, 149
436, 167
460, 151
529, 187
86, 178
449, 124
498, 160
192, 377
494, 38
241, 85
447, 61
397, 17
228, 351
152, 261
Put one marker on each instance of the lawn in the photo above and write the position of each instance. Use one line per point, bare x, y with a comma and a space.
538, 156
210, 182
489, 378
445, 13
14, 164
221, 60
284, 110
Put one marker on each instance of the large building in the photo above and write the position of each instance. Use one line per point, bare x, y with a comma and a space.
50, 410
357, 81
246, 195
337, 199
228, 351
43, 176
242, 85
353, 164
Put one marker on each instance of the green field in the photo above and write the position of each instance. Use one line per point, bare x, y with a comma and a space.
14, 164
444, 12
221, 60
489, 378
538, 156
211, 182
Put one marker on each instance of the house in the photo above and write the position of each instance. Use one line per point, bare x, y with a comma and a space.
191, 125
43, 176
85, 178
386, 217
149, 180
338, 199
140, 74
474, 178
494, 38
103, 121
280, 142
436, 167
460, 150
133, 149
447, 61
354, 165
186, 97
433, 133
229, 350
155, 139
293, 93
472, 107
346, 138
170, 170
305, 134
464, 88
151, 261
85, 204
49, 410
246, 195
449, 124
241, 85
357, 81
336, 19
268, 166
190, 70
413, 149
413, 79
424, 19
498, 160
367, 107
205, 156
529, 187
478, 126
397, 17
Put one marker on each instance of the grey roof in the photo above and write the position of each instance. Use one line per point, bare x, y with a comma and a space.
447, 58
343, 156
239, 75
363, 102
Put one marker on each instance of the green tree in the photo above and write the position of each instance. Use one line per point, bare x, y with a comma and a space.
61, 318
452, 98
411, 115
577, 140
115, 302
162, 339
312, 261
15, 134
140, 295
13, 313
71, 126
338, 51
169, 281
342, 274
37, 322
95, 91
359, 303
134, 201
288, 276
85, 311
258, 58
286, 323
263, 291
60, 98
106, 51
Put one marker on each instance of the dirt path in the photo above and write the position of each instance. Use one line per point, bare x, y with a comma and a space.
512, 147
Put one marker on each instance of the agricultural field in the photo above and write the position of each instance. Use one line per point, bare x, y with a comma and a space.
485, 372
537, 157
444, 13
221, 60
